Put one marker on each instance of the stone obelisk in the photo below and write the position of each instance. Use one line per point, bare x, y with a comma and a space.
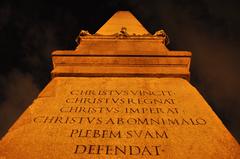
120, 94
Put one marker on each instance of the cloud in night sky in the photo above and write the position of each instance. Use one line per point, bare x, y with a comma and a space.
30, 32
19, 90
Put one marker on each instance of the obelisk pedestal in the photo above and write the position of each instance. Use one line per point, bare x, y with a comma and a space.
120, 94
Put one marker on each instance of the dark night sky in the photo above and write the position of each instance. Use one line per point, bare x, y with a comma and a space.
30, 30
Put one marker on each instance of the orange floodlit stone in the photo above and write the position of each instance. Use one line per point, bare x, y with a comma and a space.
120, 94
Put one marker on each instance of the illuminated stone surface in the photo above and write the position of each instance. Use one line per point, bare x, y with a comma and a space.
122, 19
132, 101
137, 54
128, 118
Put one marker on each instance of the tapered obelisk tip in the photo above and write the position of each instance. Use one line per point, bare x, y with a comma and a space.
122, 19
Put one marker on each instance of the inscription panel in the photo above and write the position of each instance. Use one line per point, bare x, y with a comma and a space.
121, 118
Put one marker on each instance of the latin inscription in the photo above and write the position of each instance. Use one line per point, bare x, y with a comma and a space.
140, 115
118, 150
